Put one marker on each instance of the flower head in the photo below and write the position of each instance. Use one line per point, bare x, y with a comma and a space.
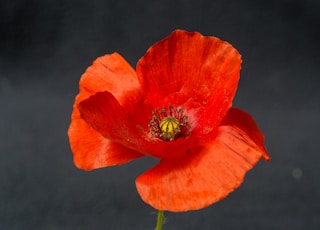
176, 107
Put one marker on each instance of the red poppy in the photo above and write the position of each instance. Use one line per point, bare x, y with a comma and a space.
176, 107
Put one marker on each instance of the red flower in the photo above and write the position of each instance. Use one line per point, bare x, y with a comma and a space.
176, 106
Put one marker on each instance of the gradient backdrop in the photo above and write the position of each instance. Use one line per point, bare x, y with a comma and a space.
46, 45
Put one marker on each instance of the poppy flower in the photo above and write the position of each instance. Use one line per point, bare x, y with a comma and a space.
176, 106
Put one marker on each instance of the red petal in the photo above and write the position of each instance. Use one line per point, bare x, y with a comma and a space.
109, 73
209, 173
90, 149
171, 149
105, 115
240, 125
189, 65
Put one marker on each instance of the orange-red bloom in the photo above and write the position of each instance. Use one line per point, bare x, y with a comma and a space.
176, 107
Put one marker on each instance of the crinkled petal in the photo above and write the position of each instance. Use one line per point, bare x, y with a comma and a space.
242, 134
210, 172
188, 65
105, 115
90, 149
109, 73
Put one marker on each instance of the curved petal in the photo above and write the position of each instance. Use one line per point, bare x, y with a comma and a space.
109, 73
240, 131
188, 65
209, 173
90, 149
104, 114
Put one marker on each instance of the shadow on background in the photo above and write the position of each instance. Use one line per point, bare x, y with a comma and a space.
46, 45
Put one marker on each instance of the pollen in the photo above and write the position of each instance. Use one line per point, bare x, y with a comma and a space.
168, 124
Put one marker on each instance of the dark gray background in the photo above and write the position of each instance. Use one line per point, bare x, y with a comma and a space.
46, 45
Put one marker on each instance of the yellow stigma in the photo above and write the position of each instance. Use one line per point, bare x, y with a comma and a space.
169, 126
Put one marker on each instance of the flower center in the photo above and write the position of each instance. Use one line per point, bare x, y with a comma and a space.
168, 123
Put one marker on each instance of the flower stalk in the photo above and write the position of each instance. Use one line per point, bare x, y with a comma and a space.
160, 220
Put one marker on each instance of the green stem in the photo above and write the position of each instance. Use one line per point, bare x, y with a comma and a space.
160, 220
